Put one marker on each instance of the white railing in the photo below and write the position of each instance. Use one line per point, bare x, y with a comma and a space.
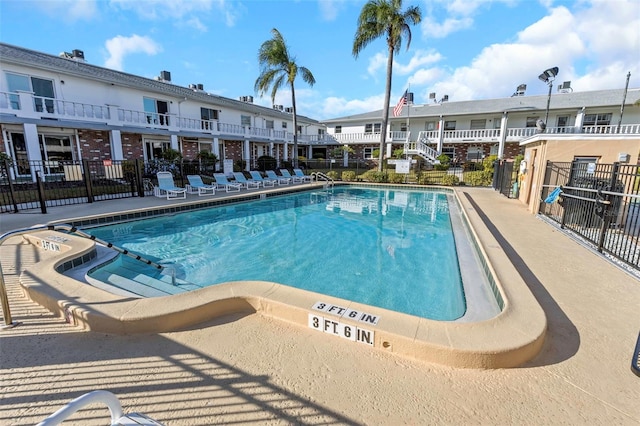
422, 149
99, 396
28, 105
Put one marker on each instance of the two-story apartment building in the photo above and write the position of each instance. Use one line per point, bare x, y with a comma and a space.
57, 108
471, 130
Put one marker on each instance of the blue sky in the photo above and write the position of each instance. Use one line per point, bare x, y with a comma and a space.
467, 49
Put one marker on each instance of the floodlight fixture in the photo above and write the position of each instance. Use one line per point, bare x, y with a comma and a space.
548, 76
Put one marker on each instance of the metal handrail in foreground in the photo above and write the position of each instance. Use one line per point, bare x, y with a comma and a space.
4, 299
99, 396
323, 177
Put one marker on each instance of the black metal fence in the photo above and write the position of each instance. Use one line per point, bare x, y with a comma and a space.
598, 202
28, 185
505, 178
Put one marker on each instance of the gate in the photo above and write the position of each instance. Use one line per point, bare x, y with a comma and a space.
598, 202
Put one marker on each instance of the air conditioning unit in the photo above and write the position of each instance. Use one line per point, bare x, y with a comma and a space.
165, 75
278, 107
288, 110
250, 99
192, 86
200, 86
78, 54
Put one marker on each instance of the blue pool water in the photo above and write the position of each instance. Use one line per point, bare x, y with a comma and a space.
382, 247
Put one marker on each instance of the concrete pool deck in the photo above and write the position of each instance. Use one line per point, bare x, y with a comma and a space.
249, 368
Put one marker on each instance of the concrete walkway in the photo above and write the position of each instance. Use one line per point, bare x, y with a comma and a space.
256, 370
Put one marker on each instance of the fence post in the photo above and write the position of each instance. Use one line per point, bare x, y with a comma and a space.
12, 192
567, 202
41, 194
87, 180
138, 176
607, 208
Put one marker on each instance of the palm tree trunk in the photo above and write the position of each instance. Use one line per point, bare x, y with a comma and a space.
295, 128
385, 111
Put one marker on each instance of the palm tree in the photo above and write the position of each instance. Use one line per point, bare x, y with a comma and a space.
277, 68
385, 18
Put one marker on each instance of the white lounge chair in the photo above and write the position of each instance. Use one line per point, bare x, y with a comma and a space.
196, 185
299, 173
294, 179
222, 181
246, 183
255, 175
167, 187
281, 180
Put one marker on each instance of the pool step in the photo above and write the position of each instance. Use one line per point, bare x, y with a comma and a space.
128, 277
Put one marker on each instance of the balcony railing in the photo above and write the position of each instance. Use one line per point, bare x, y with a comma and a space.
27, 105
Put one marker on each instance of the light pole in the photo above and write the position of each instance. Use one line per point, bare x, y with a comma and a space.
548, 76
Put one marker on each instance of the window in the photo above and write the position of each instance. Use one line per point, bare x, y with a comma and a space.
450, 152
154, 149
372, 128
475, 153
245, 120
531, 121
156, 111
269, 124
338, 129
596, 120
368, 153
494, 149
54, 150
403, 127
207, 114
430, 125
497, 122
41, 88
562, 121
478, 124
284, 124
320, 133
449, 125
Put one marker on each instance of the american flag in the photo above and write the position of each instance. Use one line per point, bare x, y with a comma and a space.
401, 103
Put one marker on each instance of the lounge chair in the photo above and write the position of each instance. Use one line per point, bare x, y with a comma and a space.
294, 179
246, 183
256, 176
196, 185
222, 181
167, 187
280, 180
299, 173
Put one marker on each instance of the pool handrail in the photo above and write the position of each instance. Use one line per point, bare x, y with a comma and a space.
320, 175
4, 299
99, 396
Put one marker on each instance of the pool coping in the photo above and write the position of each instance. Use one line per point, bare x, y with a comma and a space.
511, 338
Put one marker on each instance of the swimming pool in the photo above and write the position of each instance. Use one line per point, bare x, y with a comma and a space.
390, 248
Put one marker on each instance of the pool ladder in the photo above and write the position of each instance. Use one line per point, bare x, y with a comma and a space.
321, 176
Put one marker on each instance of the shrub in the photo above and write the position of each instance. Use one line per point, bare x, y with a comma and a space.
479, 178
239, 165
332, 174
396, 177
375, 176
348, 176
450, 180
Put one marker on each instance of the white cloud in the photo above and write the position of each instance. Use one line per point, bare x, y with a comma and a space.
329, 9
183, 11
433, 29
594, 45
120, 46
419, 59
69, 10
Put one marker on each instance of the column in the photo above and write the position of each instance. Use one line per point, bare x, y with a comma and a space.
116, 145
503, 135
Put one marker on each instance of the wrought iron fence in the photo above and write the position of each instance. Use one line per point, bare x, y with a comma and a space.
505, 179
28, 185
598, 202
